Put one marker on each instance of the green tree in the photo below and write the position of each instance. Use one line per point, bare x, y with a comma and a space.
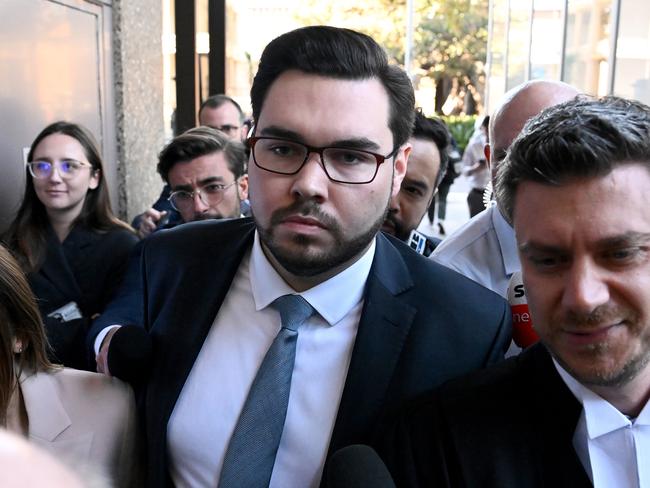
449, 40
450, 46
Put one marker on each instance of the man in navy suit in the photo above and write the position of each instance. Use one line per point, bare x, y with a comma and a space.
329, 149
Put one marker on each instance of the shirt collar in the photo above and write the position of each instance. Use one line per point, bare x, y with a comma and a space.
507, 241
332, 299
601, 417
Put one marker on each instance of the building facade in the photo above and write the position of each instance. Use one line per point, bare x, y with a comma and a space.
600, 46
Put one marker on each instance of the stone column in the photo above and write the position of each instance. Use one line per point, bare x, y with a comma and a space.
138, 72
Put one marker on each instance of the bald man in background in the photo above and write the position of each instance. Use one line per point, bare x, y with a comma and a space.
484, 249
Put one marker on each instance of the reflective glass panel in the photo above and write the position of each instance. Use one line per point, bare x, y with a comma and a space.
518, 42
586, 63
632, 76
546, 39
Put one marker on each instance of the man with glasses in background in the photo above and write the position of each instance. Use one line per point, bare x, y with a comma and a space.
220, 112
223, 113
205, 172
280, 339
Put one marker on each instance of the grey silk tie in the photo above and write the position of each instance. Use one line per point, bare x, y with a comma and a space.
250, 456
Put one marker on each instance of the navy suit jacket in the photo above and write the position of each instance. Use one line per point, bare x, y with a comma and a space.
86, 269
421, 324
510, 425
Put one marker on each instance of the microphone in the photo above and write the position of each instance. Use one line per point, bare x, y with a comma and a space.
357, 466
129, 354
523, 333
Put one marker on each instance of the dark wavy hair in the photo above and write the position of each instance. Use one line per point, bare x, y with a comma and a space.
581, 138
337, 53
201, 141
19, 320
26, 236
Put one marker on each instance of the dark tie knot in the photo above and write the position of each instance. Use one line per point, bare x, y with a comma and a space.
294, 310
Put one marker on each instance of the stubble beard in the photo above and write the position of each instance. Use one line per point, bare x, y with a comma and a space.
398, 228
310, 262
613, 378
218, 215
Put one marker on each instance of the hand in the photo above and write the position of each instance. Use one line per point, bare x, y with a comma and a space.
102, 357
149, 221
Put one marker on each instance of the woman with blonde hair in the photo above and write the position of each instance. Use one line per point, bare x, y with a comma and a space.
81, 417
67, 240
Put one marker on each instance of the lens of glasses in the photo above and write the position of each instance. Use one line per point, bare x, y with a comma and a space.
181, 200
279, 155
350, 165
69, 167
40, 169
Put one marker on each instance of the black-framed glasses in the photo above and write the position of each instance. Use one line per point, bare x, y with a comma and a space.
211, 195
341, 164
67, 168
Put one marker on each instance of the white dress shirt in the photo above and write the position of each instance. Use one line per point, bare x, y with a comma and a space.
474, 152
614, 450
484, 250
212, 398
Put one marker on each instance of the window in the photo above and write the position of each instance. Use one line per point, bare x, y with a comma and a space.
633, 51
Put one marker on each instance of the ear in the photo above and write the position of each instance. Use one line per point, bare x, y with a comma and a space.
243, 133
18, 346
242, 187
399, 167
487, 152
95, 177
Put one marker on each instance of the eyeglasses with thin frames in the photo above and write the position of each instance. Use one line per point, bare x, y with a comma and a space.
211, 195
341, 164
67, 168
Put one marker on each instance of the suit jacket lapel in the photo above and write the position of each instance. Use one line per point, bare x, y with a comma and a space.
45, 411
558, 412
56, 268
48, 418
385, 323
86, 245
197, 292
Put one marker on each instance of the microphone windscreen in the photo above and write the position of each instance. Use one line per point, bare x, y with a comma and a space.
129, 354
357, 466
523, 333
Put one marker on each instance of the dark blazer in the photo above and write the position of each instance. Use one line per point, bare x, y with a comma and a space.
510, 425
85, 268
421, 324
125, 306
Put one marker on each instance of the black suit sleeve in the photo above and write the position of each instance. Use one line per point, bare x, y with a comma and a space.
125, 308
412, 445
503, 336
